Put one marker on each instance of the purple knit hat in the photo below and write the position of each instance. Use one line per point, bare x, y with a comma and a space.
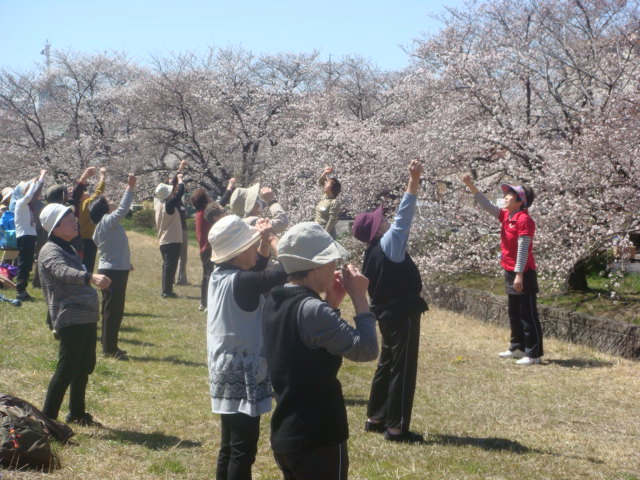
365, 225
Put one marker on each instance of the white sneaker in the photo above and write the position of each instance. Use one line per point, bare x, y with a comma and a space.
528, 361
511, 354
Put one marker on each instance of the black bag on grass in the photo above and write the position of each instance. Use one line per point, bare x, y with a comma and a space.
24, 441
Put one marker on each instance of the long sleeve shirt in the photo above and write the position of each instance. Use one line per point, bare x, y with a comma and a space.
394, 241
202, 232
24, 218
321, 326
111, 238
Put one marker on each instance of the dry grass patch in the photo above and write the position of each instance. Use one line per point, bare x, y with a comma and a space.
576, 416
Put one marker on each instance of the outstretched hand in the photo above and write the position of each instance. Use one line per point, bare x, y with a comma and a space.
467, 179
415, 169
267, 194
131, 181
263, 225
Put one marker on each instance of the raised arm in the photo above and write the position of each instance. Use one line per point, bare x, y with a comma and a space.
102, 177
394, 241
280, 221
481, 198
322, 327
323, 177
113, 218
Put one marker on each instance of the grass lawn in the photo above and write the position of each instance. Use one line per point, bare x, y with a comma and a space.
625, 306
576, 416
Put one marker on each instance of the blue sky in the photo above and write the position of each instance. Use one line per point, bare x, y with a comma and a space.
372, 29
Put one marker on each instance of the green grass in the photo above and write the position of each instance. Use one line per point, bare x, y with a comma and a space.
624, 306
574, 417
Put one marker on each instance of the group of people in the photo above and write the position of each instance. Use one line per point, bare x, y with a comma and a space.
272, 294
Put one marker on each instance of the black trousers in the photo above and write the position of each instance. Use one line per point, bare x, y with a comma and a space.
76, 361
89, 252
207, 268
329, 462
526, 331
394, 382
113, 299
238, 446
170, 256
27, 248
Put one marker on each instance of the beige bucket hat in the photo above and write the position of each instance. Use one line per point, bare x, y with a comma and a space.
243, 199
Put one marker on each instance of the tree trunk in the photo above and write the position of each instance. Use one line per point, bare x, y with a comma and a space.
577, 279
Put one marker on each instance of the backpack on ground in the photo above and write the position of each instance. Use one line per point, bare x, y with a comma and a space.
24, 441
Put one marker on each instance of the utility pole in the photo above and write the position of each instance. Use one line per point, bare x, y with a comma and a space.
47, 55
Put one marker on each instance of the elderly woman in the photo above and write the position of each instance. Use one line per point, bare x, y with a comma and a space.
328, 208
305, 341
114, 262
169, 227
73, 306
240, 387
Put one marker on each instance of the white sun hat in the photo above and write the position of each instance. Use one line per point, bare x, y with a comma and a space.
163, 191
229, 237
52, 214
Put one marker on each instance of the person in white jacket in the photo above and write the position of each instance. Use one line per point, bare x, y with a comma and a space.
26, 234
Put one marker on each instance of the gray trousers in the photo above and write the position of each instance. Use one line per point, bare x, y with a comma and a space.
182, 262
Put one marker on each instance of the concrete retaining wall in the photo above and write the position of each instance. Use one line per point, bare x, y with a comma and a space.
610, 336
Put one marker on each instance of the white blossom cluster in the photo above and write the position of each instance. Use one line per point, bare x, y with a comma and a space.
542, 93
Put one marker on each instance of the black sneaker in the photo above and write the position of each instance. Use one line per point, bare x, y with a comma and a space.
25, 297
85, 420
374, 427
170, 295
404, 437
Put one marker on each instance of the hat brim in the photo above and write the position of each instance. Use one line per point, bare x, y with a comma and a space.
252, 197
506, 188
296, 263
61, 214
215, 258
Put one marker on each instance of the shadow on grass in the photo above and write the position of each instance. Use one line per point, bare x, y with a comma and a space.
152, 441
355, 402
490, 443
130, 329
139, 343
498, 444
580, 363
143, 315
171, 359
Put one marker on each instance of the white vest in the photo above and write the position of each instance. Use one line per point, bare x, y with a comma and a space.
237, 367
